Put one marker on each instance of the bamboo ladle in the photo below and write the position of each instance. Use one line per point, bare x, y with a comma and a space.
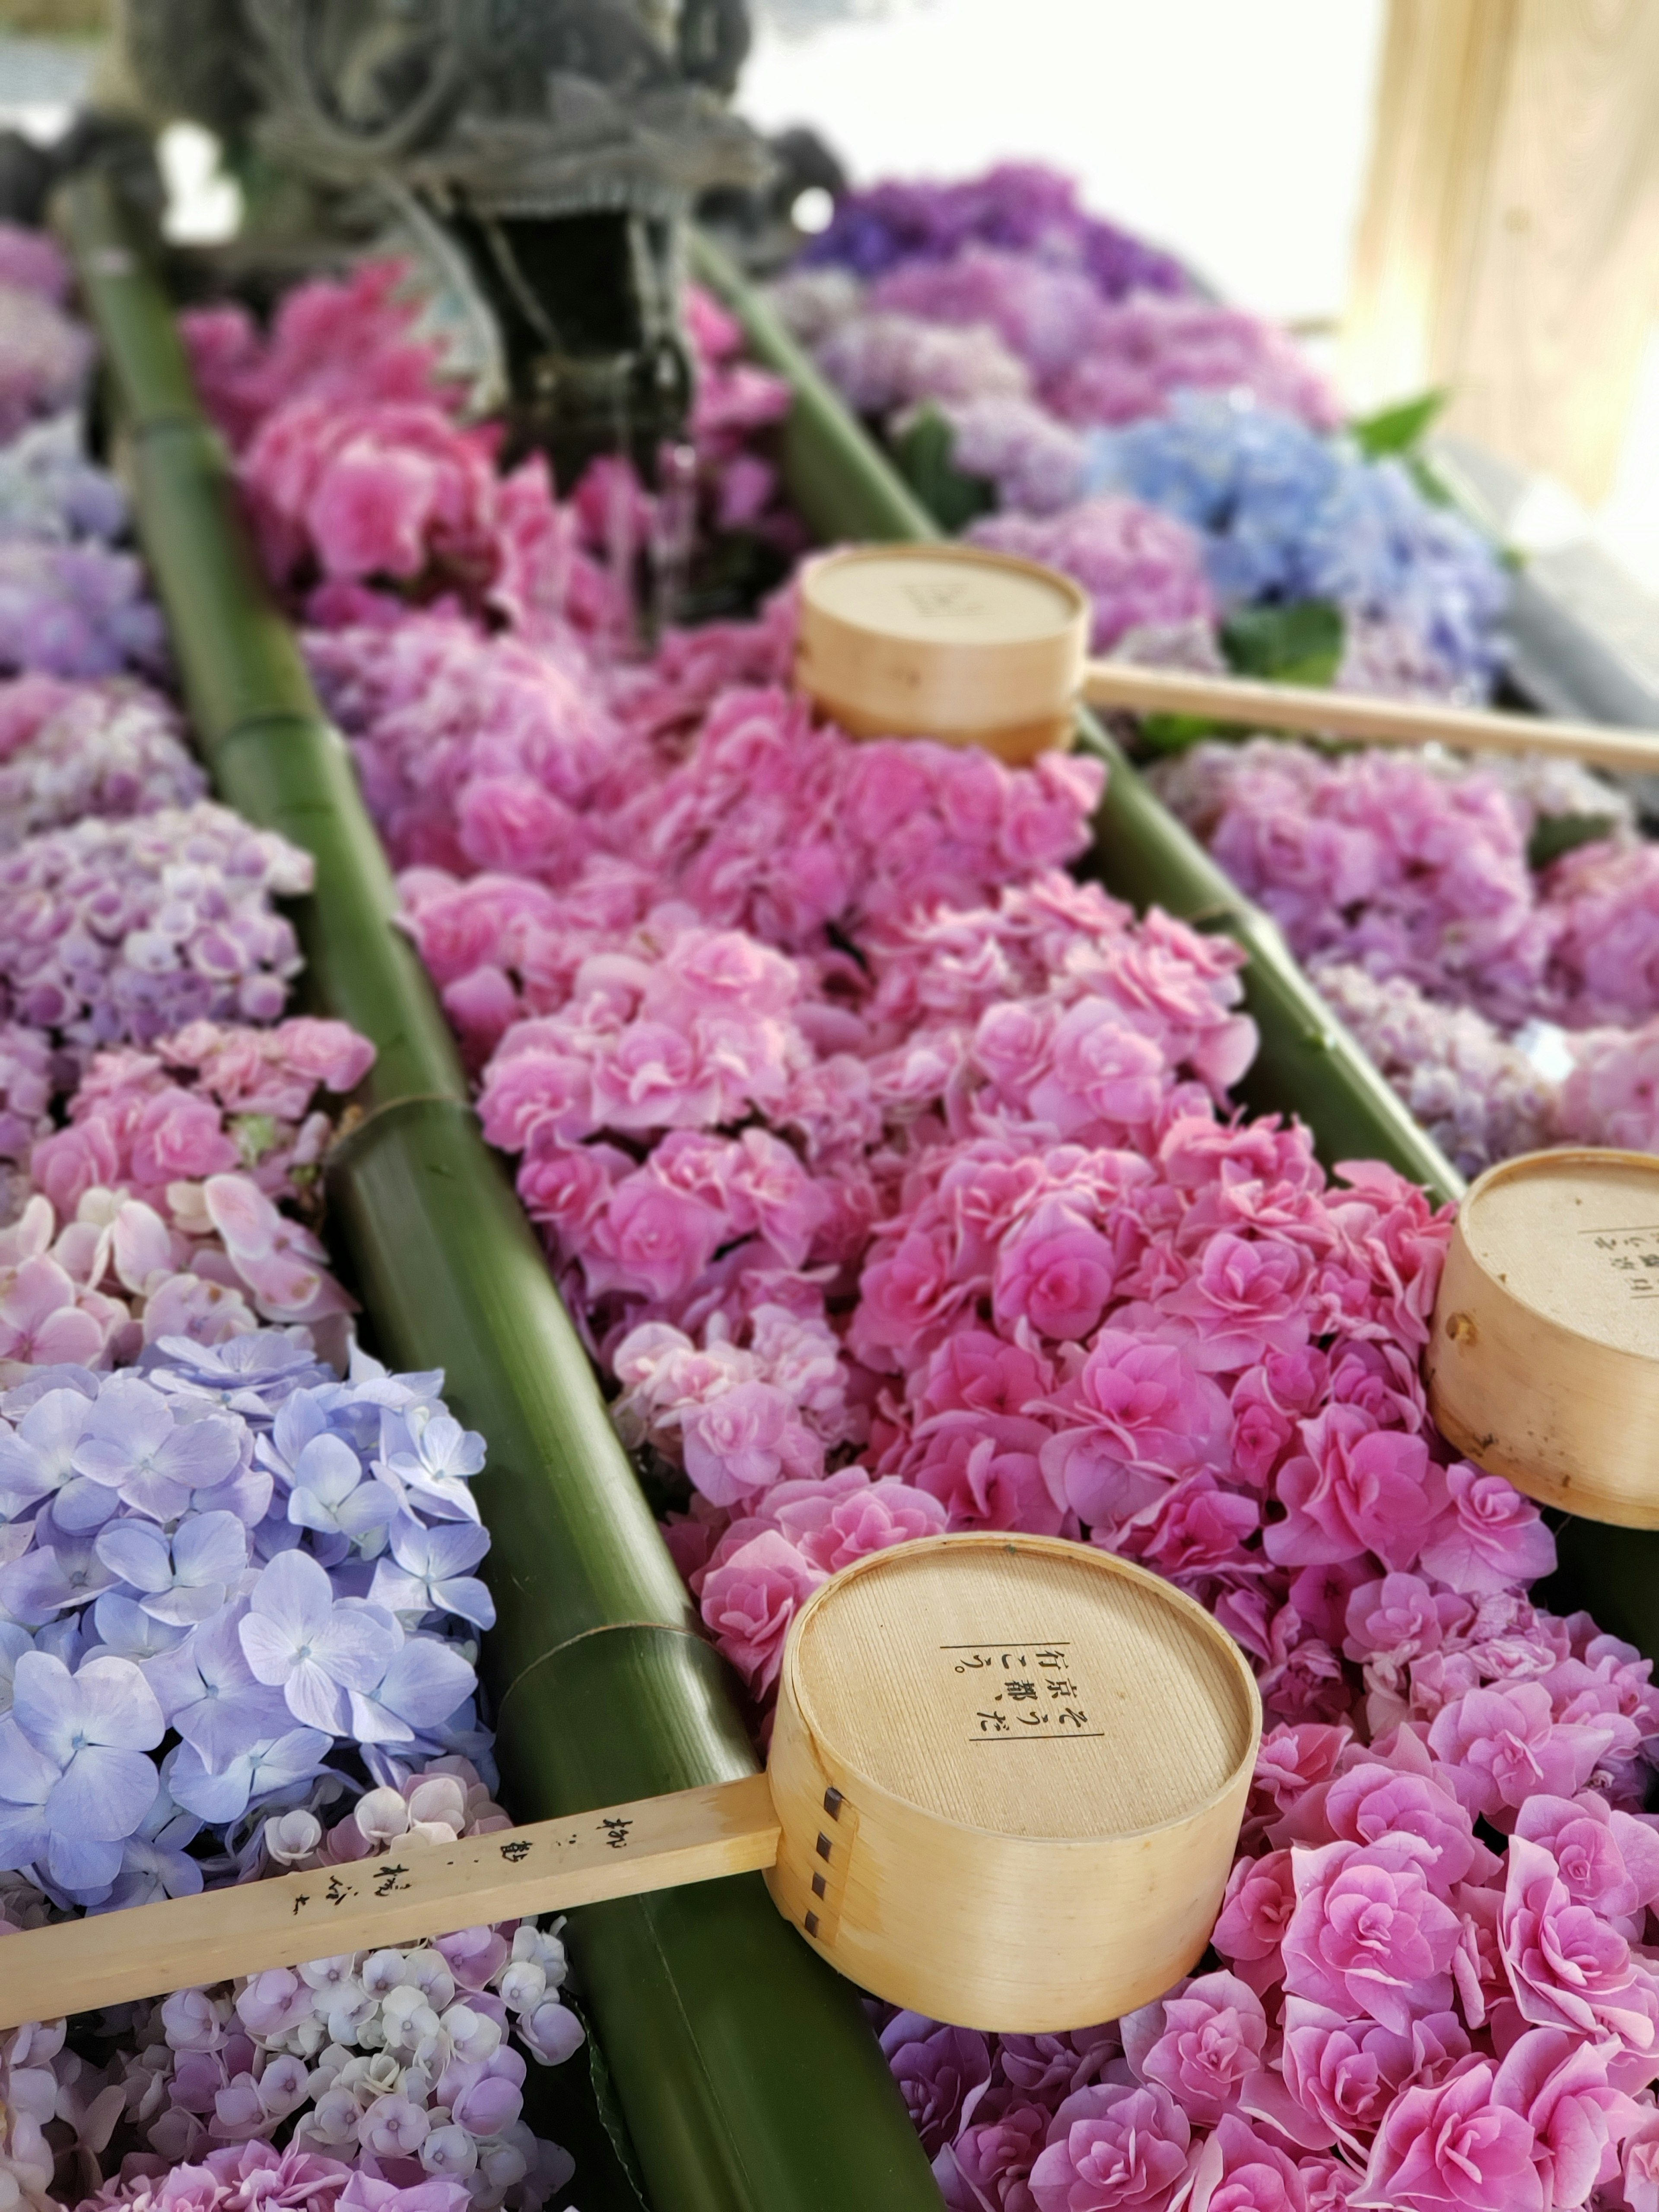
953, 642
1542, 1363
1005, 1786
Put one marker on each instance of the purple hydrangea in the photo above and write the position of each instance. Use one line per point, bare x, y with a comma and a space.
196, 1549
68, 751
75, 610
151, 924
1018, 204
50, 490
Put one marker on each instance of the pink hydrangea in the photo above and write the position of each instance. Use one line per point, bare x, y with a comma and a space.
1140, 567
1369, 1938
1113, 2147
1203, 2042
334, 341
749, 1602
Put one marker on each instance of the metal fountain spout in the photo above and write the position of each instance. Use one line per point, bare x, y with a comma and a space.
542, 152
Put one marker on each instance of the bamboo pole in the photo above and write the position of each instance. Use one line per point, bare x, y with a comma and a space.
1351, 717
1309, 1065
747, 2072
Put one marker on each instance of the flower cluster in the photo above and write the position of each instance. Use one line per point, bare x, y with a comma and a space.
1611, 1094
1138, 566
77, 610
921, 1210
384, 2072
339, 341
232, 1552
1603, 900
1056, 390
1033, 464
474, 751
1380, 860
70, 604
237, 1563
894, 1177
773, 823
158, 1209
392, 491
118, 932
50, 489
1408, 885
882, 362
1018, 205
733, 402
68, 750
1287, 515
366, 492
1093, 362
1479, 1096
364, 488
44, 354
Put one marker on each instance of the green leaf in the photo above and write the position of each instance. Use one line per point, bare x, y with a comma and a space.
1398, 430
608, 2105
1555, 833
1297, 644
1173, 733
255, 1135
923, 452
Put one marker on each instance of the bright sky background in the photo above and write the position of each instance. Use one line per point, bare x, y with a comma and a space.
1235, 131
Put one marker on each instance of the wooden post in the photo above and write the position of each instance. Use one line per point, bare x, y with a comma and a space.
1510, 242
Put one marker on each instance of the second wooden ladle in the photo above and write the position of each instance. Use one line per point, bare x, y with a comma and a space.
952, 642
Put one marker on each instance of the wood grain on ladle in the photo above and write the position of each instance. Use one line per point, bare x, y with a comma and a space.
415, 1890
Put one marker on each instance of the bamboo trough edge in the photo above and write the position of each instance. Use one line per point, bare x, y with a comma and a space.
746, 2071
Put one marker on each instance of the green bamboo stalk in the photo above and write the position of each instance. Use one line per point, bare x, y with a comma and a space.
1309, 1063
748, 2075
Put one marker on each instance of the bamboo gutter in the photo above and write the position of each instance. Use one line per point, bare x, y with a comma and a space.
747, 2072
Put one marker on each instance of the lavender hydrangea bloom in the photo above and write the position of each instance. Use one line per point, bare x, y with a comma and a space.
59, 1572
50, 491
429, 1572
75, 610
124, 1629
44, 354
434, 1456
133, 1445
317, 1649
13, 1641
68, 750
330, 1495
272, 1764
75, 1747
252, 1374
155, 1861
425, 1685
209, 1526
184, 1578
1018, 204
37, 1456
112, 932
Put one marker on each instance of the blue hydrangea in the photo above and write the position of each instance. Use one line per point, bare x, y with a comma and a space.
1286, 514
229, 1579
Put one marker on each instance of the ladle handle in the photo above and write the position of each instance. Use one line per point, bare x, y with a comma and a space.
1374, 721
414, 1889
